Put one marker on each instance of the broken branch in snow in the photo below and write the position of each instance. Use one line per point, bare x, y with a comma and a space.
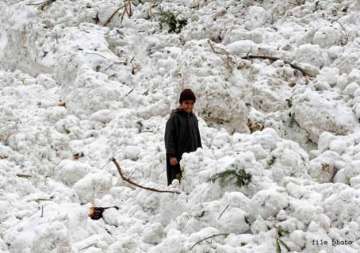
136, 184
23, 175
209, 237
111, 17
38, 200
43, 5
127, 10
229, 61
223, 211
272, 58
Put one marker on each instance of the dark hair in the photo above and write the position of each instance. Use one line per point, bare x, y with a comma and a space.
187, 94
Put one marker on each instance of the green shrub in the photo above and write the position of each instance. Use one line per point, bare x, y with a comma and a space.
241, 177
170, 19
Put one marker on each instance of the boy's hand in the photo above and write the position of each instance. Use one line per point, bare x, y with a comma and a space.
173, 161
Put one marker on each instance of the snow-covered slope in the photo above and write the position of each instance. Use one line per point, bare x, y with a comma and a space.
79, 87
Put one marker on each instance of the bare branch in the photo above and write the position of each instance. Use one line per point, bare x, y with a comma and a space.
111, 17
229, 61
272, 58
43, 5
136, 184
209, 237
223, 211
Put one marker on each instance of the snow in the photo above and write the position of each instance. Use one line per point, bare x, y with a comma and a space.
70, 85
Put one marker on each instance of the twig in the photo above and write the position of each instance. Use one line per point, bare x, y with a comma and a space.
333, 175
111, 17
23, 175
129, 92
211, 236
42, 211
223, 211
127, 10
42, 199
97, 55
229, 61
136, 184
43, 4
279, 242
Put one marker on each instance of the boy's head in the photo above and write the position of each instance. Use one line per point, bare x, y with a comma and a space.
187, 100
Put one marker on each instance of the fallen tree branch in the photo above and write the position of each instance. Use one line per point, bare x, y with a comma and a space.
223, 211
111, 17
209, 237
127, 10
136, 184
23, 175
229, 61
43, 4
272, 58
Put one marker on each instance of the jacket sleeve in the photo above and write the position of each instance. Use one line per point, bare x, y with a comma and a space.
170, 137
198, 134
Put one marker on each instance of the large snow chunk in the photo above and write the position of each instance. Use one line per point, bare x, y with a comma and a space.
237, 34
323, 168
92, 185
242, 47
327, 36
257, 17
70, 171
234, 220
269, 202
153, 233
342, 206
312, 55
288, 160
174, 243
316, 114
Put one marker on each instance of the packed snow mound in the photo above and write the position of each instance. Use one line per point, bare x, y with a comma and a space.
317, 113
277, 86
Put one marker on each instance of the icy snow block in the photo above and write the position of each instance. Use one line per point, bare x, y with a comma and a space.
257, 17
234, 220
312, 55
153, 233
238, 34
242, 47
267, 203
327, 36
315, 113
70, 171
93, 185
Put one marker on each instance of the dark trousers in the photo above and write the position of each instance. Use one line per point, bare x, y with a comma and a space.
172, 171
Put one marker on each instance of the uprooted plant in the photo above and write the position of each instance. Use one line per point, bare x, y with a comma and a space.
240, 176
127, 9
174, 23
278, 241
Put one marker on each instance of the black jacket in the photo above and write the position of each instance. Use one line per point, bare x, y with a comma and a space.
181, 133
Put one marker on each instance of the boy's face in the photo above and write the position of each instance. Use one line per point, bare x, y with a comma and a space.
187, 105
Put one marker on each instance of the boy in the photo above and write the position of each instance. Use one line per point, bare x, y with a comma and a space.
181, 134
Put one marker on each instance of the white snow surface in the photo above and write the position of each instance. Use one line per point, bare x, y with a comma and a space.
71, 85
